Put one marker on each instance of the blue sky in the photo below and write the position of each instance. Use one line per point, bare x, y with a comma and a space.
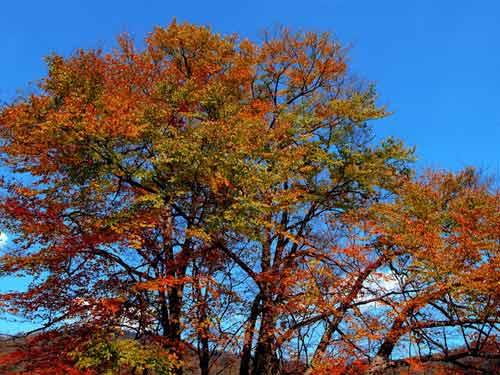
436, 63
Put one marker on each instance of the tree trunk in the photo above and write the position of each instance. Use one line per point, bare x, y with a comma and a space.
321, 348
265, 361
203, 346
172, 327
175, 304
381, 361
248, 339
204, 357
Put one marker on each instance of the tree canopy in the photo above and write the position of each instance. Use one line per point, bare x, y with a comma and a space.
206, 194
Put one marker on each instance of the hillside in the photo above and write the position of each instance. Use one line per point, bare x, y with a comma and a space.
228, 364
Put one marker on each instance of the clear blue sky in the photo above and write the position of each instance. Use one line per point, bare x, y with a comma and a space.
436, 62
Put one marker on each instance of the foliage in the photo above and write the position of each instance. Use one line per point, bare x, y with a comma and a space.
112, 356
208, 194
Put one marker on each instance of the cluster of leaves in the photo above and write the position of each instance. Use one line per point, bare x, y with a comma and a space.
208, 195
115, 355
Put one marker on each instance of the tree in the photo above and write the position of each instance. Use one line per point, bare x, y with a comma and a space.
200, 196
448, 228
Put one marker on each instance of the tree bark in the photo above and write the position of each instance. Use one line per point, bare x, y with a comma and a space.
265, 361
246, 354
381, 362
204, 357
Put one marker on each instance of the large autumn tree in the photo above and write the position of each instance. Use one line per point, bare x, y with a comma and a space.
205, 195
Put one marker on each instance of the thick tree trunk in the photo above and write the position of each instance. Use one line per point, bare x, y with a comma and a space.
204, 357
265, 361
170, 322
381, 362
175, 267
246, 354
203, 346
175, 304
